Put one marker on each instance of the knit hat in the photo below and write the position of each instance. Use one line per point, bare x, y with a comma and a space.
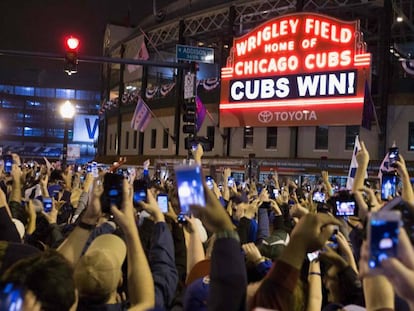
98, 271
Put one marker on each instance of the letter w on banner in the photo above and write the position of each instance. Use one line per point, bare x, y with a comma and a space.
141, 117
354, 165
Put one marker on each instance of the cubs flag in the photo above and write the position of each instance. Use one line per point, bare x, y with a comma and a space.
141, 117
354, 165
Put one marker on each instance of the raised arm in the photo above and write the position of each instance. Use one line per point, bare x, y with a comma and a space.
362, 158
407, 189
140, 281
161, 255
72, 247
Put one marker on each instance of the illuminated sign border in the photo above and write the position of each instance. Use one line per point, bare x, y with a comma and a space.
298, 69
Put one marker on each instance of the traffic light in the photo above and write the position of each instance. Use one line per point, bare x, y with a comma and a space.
71, 55
190, 116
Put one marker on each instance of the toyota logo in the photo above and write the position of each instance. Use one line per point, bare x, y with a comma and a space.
265, 116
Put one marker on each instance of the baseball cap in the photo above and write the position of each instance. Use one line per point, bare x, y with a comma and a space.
196, 295
98, 271
200, 270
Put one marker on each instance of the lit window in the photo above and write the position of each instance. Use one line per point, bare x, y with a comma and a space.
65, 93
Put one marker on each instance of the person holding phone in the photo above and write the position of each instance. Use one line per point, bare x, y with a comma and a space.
394, 274
164, 271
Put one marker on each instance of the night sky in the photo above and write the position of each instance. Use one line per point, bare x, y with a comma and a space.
41, 26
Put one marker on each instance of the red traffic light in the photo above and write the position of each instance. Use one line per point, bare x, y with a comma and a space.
72, 43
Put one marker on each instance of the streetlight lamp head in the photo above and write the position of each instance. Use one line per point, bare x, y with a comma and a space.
67, 110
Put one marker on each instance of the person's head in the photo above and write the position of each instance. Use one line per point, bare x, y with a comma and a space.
98, 273
331, 283
239, 204
49, 276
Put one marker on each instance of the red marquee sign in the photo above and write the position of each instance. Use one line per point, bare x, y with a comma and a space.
300, 69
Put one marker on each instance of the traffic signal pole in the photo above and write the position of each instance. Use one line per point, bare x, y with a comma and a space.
95, 59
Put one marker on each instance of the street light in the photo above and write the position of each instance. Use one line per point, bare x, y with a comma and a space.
67, 111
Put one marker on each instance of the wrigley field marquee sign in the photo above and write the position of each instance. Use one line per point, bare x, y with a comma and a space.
296, 70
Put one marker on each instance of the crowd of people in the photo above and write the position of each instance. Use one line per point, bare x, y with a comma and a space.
251, 246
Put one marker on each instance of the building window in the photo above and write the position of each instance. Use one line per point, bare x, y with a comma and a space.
350, 133
153, 138
45, 92
24, 90
210, 134
321, 138
55, 132
271, 137
86, 95
411, 136
135, 139
65, 93
165, 138
7, 89
127, 140
248, 137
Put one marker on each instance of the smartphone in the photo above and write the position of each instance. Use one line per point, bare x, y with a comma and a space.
318, 197
113, 192
47, 205
345, 208
383, 229
230, 182
275, 193
8, 163
190, 187
94, 169
209, 182
11, 297
393, 156
333, 240
181, 218
389, 184
162, 200
140, 191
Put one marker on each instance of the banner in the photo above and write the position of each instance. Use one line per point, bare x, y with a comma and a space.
135, 49
85, 128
